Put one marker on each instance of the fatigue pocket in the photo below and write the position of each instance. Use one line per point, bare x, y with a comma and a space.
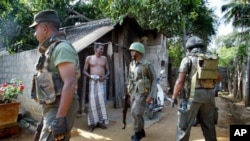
143, 86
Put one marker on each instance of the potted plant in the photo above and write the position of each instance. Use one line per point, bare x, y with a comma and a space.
9, 106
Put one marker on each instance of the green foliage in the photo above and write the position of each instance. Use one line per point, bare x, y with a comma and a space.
237, 12
88, 10
14, 20
226, 55
176, 51
242, 51
171, 17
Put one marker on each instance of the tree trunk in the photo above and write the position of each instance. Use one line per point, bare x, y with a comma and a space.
235, 79
229, 80
239, 80
246, 82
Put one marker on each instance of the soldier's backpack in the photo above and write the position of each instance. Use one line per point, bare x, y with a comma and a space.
207, 66
207, 71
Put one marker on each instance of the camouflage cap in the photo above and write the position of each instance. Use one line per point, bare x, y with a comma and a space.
45, 16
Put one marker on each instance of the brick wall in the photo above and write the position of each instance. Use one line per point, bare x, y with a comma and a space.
21, 66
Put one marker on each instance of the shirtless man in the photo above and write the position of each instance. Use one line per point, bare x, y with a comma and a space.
99, 72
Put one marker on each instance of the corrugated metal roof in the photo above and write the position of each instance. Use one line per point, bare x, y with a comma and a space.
91, 37
82, 35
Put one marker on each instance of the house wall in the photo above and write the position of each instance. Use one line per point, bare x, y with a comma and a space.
22, 66
157, 54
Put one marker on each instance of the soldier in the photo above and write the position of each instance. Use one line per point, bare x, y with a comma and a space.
56, 81
141, 87
202, 104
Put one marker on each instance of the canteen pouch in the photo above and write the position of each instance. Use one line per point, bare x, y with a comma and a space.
45, 86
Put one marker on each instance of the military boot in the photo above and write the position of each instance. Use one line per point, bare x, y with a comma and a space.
136, 137
142, 132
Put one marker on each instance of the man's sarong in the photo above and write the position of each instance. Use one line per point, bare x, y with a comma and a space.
97, 102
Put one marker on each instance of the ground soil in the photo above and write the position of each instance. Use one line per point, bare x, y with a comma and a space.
161, 128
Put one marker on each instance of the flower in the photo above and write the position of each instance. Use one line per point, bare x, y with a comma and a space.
10, 91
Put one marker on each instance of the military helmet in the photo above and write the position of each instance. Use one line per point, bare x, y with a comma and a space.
194, 42
137, 47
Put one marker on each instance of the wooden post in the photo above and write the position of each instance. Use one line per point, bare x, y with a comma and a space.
119, 79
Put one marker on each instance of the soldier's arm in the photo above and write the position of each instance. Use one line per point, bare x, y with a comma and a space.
179, 84
152, 77
67, 72
183, 70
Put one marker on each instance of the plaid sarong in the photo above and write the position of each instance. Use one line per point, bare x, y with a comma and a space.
97, 102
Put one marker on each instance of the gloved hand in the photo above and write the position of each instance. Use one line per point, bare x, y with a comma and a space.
58, 127
174, 102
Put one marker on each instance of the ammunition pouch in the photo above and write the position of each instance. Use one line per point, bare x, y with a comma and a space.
143, 86
48, 87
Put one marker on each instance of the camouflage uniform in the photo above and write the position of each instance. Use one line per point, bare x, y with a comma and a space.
141, 76
201, 105
57, 51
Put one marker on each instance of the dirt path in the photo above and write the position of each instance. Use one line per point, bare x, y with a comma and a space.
161, 129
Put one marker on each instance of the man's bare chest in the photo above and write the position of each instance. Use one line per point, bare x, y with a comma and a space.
97, 62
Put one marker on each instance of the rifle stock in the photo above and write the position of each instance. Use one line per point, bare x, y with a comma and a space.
125, 109
38, 130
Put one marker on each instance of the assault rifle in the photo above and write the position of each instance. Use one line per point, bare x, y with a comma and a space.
125, 109
38, 130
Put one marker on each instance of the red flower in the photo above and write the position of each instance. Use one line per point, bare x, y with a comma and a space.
4, 84
10, 91
21, 87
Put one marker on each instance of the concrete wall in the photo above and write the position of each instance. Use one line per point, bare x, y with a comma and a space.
21, 66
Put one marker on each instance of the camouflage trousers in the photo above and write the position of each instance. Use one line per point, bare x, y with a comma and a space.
137, 111
205, 113
49, 113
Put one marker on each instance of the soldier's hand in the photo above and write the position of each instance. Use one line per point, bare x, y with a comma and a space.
173, 102
58, 127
